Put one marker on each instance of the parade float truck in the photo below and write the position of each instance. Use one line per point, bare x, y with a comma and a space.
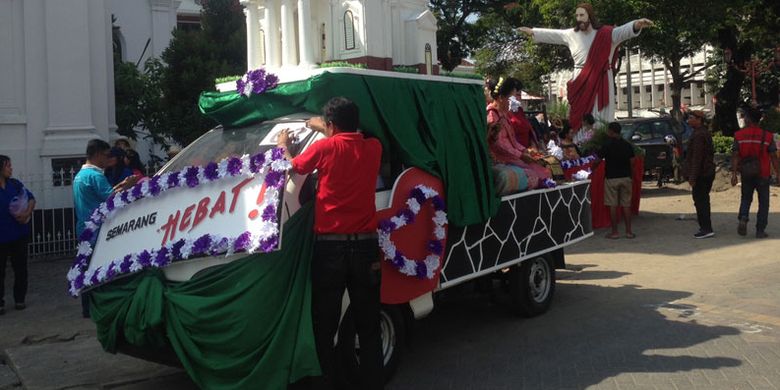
206, 264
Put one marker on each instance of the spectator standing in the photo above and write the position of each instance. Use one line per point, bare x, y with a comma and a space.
91, 187
133, 162
16, 207
346, 251
618, 155
752, 153
116, 169
701, 171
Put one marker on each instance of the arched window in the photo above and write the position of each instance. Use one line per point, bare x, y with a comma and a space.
349, 30
428, 59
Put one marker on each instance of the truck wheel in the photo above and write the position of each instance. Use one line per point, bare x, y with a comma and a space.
393, 327
532, 286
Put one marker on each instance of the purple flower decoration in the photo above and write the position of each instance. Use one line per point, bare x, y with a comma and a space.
136, 191
210, 171
145, 259
154, 186
78, 283
219, 246
81, 261
234, 166
124, 196
94, 279
111, 271
191, 176
438, 203
269, 244
269, 213
256, 162
386, 226
176, 250
435, 247
406, 214
173, 180
86, 235
277, 154
421, 270
242, 242
398, 260
201, 245
274, 179
124, 267
418, 195
271, 81
110, 203
161, 258
256, 81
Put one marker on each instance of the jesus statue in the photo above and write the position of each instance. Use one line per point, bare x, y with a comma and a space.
592, 47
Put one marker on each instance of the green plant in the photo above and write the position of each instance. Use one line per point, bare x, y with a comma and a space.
558, 110
771, 120
462, 75
226, 79
405, 69
341, 64
722, 143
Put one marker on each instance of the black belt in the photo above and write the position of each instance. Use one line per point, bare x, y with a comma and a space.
346, 237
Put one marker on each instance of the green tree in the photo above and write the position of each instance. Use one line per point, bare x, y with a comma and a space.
193, 60
748, 30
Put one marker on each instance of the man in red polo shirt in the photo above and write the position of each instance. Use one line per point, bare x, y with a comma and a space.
754, 142
346, 252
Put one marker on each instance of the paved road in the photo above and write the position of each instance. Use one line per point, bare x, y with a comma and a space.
662, 311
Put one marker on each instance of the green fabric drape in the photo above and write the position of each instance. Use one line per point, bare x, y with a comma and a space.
436, 126
244, 325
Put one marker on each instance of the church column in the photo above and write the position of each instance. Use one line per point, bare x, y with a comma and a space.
653, 88
642, 92
304, 29
252, 28
288, 34
273, 49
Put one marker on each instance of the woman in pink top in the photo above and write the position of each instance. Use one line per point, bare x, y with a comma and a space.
503, 143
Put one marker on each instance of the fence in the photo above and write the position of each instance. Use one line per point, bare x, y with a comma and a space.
53, 224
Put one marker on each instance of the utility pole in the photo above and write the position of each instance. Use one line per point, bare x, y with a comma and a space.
630, 88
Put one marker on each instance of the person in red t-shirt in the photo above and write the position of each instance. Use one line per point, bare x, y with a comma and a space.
346, 251
754, 142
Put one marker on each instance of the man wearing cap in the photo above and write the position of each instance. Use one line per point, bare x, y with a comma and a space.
346, 251
701, 171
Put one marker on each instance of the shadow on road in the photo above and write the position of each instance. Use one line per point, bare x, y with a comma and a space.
591, 334
667, 234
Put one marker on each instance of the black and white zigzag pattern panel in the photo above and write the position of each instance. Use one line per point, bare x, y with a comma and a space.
527, 224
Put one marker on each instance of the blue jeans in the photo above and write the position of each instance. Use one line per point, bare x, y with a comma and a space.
760, 185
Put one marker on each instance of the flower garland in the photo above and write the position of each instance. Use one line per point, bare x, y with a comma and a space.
256, 81
426, 268
568, 164
264, 239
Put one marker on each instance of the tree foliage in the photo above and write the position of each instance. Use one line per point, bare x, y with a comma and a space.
163, 97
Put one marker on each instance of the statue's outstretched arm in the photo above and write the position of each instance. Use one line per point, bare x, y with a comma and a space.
546, 35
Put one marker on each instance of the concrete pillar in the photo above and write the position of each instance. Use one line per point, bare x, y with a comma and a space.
252, 32
305, 44
667, 93
273, 47
642, 100
289, 46
693, 90
653, 101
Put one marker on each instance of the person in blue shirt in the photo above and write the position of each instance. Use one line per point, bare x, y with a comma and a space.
91, 188
16, 207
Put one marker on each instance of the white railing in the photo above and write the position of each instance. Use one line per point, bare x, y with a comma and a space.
53, 224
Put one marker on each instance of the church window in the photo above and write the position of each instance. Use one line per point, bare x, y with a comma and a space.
349, 30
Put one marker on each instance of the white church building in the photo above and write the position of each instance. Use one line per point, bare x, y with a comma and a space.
288, 34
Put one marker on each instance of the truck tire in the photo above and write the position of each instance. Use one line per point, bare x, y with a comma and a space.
532, 286
393, 326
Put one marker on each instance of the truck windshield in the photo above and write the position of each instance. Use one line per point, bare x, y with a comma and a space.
220, 143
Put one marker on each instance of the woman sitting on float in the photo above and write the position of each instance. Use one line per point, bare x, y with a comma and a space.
503, 141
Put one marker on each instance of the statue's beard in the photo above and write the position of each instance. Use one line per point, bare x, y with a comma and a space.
582, 26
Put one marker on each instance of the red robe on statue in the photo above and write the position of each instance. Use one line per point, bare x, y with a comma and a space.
593, 80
